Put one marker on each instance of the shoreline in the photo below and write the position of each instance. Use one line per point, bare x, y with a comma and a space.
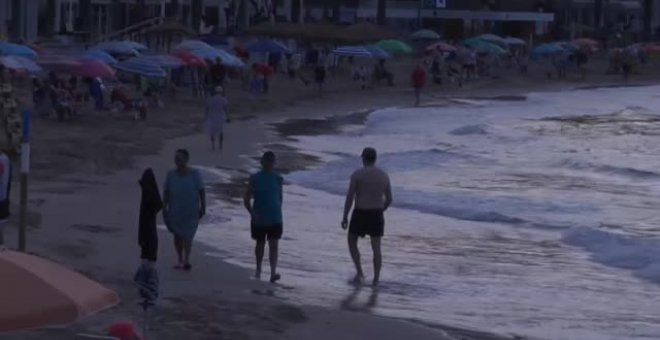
97, 241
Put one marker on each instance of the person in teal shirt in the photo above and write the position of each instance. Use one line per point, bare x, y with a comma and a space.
184, 204
263, 200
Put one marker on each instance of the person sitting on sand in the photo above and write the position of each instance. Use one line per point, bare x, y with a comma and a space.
184, 203
371, 191
263, 200
216, 116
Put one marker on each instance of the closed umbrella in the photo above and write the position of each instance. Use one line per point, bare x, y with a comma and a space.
441, 47
100, 55
393, 46
266, 46
94, 69
20, 64
426, 34
38, 293
141, 67
11, 49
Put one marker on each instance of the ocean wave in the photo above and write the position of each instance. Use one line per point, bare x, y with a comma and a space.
610, 169
477, 129
634, 253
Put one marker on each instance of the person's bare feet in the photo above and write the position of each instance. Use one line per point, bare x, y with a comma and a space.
257, 274
275, 277
375, 282
358, 279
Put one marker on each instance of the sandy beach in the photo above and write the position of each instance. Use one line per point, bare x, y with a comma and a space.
84, 201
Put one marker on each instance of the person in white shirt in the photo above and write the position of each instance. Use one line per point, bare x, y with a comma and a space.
371, 193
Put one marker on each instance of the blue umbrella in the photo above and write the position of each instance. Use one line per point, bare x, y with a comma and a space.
214, 54
17, 50
378, 52
141, 67
266, 46
512, 41
355, 51
19, 63
165, 61
117, 47
548, 49
101, 56
135, 45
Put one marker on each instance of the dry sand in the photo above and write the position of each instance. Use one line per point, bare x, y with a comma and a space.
84, 199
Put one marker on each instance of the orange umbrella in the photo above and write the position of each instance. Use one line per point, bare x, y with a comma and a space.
37, 293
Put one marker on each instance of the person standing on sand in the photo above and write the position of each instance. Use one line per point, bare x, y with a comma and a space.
5, 186
371, 191
184, 204
418, 79
216, 116
263, 200
150, 205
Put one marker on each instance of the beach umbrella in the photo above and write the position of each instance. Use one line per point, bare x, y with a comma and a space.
214, 54
266, 46
393, 46
426, 34
91, 68
117, 47
586, 43
377, 52
492, 38
99, 55
11, 49
189, 59
38, 293
548, 49
513, 41
357, 51
483, 46
141, 67
18, 63
163, 60
135, 45
192, 45
441, 47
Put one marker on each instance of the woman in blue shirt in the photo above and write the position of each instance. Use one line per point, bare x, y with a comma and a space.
184, 204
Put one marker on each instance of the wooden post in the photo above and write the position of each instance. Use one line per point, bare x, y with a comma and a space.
25, 170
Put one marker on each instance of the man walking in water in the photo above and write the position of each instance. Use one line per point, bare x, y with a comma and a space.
263, 200
371, 192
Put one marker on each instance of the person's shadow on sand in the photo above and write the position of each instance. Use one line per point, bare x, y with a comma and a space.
350, 302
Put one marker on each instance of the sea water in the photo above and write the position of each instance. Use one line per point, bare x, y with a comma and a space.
539, 218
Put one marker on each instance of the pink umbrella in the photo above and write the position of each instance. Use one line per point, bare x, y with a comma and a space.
441, 47
90, 68
38, 293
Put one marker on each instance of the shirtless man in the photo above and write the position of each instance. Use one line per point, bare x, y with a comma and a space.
371, 192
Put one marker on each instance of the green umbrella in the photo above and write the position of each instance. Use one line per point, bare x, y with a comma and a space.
394, 46
483, 46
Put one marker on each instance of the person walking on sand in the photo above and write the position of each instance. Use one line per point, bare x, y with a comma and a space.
418, 79
371, 193
216, 116
263, 200
184, 203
